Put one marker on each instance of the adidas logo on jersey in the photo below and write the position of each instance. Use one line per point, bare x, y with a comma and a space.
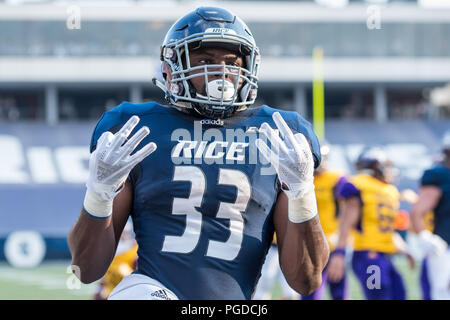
217, 122
161, 294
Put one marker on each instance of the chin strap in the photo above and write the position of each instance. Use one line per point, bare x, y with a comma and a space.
160, 85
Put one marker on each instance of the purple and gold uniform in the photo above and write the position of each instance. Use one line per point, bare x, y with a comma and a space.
373, 240
429, 221
424, 281
380, 205
123, 264
326, 187
327, 184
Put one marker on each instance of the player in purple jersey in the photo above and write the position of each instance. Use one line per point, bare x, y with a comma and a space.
203, 212
369, 205
327, 185
434, 196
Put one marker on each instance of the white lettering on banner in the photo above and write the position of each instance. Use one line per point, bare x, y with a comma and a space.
70, 163
41, 165
12, 162
36, 164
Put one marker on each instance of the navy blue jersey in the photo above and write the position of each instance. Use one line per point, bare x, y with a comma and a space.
439, 176
203, 201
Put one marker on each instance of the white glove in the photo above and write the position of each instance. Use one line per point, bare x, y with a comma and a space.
293, 161
432, 243
110, 165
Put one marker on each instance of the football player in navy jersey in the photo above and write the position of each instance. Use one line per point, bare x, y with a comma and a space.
434, 196
210, 184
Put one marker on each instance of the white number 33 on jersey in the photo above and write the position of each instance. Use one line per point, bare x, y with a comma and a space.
187, 242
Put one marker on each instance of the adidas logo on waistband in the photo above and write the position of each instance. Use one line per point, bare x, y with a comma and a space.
160, 294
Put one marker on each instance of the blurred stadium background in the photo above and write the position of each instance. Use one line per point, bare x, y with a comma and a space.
386, 65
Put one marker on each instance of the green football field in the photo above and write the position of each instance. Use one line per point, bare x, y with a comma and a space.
410, 278
52, 280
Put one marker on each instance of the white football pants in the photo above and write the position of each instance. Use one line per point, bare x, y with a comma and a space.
141, 287
439, 275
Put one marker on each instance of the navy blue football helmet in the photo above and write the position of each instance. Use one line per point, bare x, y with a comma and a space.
202, 28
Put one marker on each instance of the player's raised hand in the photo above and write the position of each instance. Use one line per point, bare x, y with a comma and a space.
110, 165
291, 157
293, 161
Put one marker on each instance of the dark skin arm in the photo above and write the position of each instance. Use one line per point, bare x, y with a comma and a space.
303, 249
348, 219
93, 242
428, 199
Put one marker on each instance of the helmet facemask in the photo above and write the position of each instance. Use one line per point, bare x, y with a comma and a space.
228, 88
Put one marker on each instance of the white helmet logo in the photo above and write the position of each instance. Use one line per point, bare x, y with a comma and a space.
220, 30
